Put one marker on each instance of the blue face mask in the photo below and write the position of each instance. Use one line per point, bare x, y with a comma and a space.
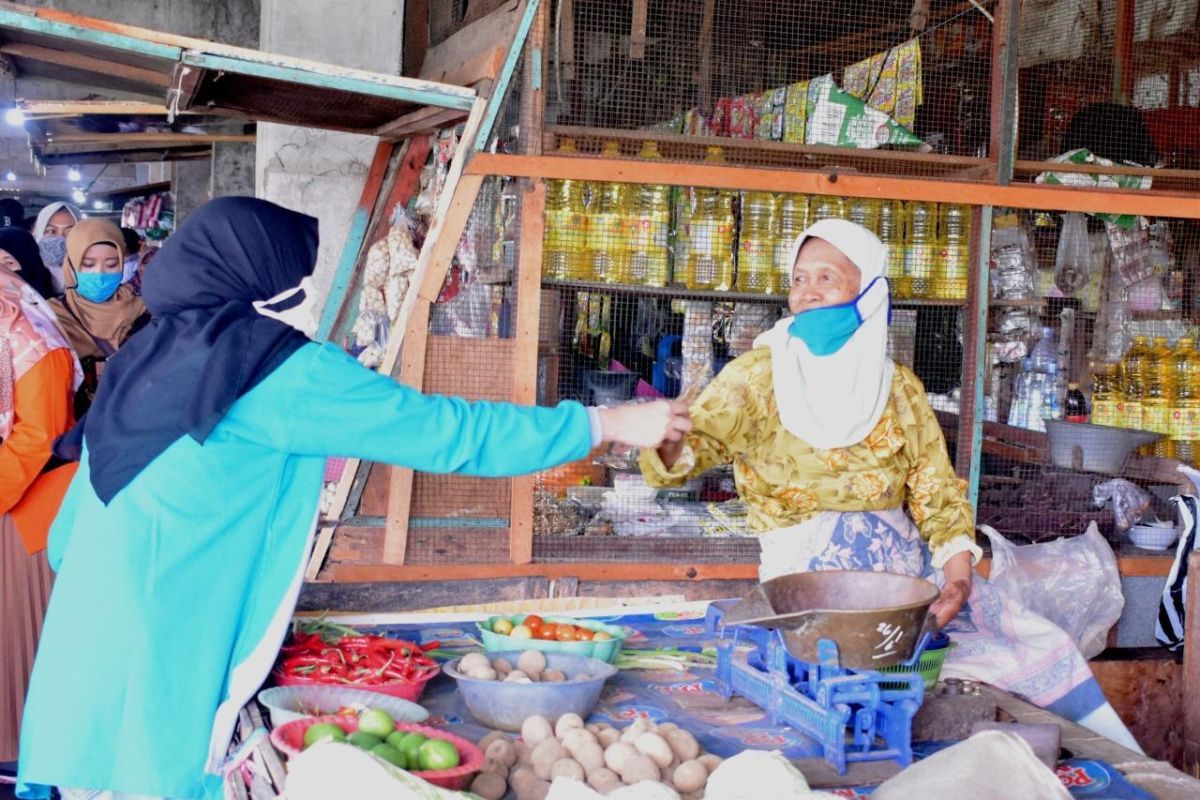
98, 286
826, 330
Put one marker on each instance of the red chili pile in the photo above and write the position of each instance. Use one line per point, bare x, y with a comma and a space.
356, 660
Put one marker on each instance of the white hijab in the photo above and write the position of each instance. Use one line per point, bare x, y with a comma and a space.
836, 400
39, 233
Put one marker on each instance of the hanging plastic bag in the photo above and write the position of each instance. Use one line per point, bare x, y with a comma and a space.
1129, 501
1072, 582
1071, 267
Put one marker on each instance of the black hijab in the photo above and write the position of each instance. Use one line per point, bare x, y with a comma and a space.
21, 245
206, 345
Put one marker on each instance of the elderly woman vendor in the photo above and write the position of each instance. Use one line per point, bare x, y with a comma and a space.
842, 465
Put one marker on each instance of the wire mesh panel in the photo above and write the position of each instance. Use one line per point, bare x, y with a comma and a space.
783, 83
650, 291
1092, 320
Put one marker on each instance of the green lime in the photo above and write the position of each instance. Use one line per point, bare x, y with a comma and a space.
390, 755
376, 722
363, 741
323, 732
438, 754
395, 738
410, 744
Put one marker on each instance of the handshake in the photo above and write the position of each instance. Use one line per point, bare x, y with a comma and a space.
646, 425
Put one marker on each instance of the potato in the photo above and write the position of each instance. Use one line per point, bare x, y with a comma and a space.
617, 754
640, 725
665, 727
590, 756
502, 750
594, 728
656, 747
482, 674
524, 753
532, 790
521, 772
667, 774
489, 785
554, 675
472, 660
566, 768
608, 737
575, 738
639, 768
516, 676
710, 761
544, 756
603, 780
690, 776
683, 744
486, 741
531, 662
502, 665
567, 722
536, 729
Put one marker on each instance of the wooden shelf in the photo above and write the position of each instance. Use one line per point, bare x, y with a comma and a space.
684, 293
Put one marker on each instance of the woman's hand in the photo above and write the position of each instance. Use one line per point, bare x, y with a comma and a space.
957, 590
646, 425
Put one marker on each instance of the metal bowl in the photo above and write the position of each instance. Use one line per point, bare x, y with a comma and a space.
875, 618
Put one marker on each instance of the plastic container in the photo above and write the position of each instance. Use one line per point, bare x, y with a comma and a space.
1093, 448
289, 740
605, 650
405, 691
1153, 537
609, 388
289, 703
929, 666
504, 705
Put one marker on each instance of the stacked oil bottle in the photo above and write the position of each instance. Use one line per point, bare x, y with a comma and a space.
1155, 388
715, 239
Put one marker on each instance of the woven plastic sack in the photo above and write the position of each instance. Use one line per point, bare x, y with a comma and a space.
1072, 582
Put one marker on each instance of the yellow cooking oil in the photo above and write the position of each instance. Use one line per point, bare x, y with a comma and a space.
710, 235
1105, 392
1129, 405
1158, 385
756, 244
1185, 404
891, 233
920, 248
792, 212
648, 225
953, 264
607, 212
564, 244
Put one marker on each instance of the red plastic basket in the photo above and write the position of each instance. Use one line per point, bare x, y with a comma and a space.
289, 740
406, 691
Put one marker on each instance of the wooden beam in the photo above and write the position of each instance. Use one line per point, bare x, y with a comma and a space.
637, 31
400, 483
484, 35
148, 138
1123, 63
704, 73
1050, 198
85, 63
36, 109
416, 35
525, 364
533, 84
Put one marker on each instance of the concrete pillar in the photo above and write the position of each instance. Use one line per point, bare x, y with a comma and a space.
322, 172
233, 169
191, 180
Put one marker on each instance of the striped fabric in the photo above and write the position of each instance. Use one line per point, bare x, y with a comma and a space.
1169, 628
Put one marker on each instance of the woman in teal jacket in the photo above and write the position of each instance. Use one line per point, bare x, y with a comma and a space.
181, 543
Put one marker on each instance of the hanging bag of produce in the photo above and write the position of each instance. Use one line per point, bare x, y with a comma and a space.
1071, 266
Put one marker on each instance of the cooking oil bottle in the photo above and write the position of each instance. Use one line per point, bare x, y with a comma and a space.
920, 247
1185, 406
710, 235
756, 244
606, 224
826, 207
648, 226
793, 215
891, 233
1133, 387
862, 211
565, 240
1158, 385
1105, 393
954, 257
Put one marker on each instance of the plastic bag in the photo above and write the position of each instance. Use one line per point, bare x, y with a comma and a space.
1072, 582
1071, 268
1129, 501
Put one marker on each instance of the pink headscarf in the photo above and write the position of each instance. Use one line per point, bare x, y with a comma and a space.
28, 331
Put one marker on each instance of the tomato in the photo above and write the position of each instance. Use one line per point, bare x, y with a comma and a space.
583, 635
548, 632
533, 622
566, 632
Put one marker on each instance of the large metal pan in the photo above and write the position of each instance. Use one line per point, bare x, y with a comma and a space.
876, 618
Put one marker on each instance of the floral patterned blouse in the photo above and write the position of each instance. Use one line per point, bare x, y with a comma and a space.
784, 480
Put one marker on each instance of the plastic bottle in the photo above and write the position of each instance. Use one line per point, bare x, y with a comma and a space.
920, 247
606, 226
1018, 412
954, 259
792, 212
648, 225
891, 233
1051, 399
1044, 352
862, 211
756, 244
1105, 393
1157, 386
710, 235
565, 241
1076, 405
827, 207
1133, 386
1185, 405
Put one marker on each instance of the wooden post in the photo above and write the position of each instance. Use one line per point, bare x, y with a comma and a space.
704, 74
1122, 77
1191, 669
529, 304
533, 84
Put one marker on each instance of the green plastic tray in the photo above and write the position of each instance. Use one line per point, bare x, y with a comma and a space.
605, 651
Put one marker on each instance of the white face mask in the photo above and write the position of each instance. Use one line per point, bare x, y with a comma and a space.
304, 316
